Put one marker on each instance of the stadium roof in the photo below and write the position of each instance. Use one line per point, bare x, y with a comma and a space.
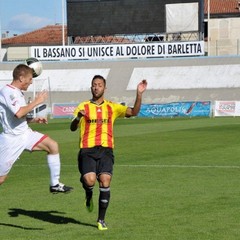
49, 35
222, 6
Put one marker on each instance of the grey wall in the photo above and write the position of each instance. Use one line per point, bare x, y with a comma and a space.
221, 74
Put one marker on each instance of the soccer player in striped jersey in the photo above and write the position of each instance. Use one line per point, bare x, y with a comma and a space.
95, 119
17, 136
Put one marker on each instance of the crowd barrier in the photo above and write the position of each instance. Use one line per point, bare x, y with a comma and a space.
174, 109
226, 108
177, 109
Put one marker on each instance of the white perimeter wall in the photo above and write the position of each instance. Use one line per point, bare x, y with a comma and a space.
175, 79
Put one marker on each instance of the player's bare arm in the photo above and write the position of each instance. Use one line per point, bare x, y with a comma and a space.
75, 121
40, 98
141, 87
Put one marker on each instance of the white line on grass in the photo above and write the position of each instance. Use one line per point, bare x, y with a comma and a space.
180, 166
142, 165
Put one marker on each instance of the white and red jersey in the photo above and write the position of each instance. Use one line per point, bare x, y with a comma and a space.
11, 100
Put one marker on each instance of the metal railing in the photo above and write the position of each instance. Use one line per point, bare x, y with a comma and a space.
135, 38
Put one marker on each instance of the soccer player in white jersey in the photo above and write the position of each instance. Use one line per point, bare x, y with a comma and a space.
17, 136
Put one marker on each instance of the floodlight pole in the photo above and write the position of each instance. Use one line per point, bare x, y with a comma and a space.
34, 95
63, 28
209, 27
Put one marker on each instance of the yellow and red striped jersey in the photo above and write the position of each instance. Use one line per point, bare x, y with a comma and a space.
96, 127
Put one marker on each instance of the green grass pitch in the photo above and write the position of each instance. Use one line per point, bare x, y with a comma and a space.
174, 179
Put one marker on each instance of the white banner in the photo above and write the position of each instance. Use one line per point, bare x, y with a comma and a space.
182, 17
115, 51
227, 108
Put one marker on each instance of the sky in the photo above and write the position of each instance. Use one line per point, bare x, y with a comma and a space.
21, 16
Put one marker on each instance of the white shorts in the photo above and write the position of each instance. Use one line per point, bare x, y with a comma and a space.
12, 146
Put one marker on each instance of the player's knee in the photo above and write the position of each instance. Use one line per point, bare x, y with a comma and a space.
53, 147
104, 180
49, 145
89, 179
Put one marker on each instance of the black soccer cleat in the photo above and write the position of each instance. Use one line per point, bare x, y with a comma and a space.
60, 188
89, 204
